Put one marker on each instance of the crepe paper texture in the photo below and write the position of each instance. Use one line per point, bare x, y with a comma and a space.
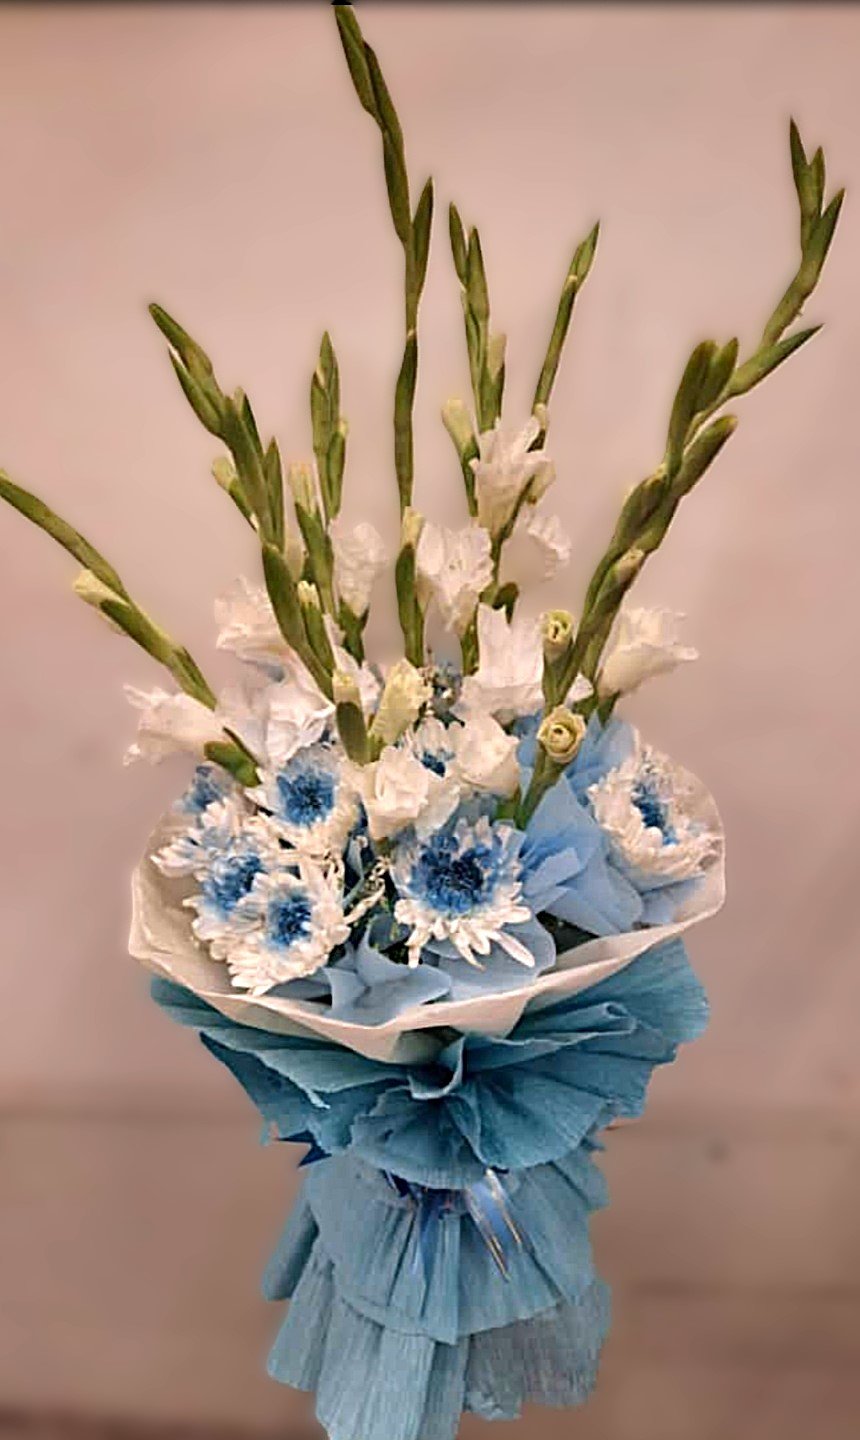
427, 907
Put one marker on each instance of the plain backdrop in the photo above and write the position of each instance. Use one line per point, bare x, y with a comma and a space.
216, 159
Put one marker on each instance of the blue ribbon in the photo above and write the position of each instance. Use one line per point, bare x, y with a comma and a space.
488, 1206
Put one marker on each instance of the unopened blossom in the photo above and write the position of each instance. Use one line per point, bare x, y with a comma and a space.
454, 566
405, 693
506, 468
646, 645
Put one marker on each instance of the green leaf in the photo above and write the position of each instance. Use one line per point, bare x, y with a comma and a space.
231, 758
584, 255
458, 244
206, 412
476, 279
766, 360
386, 113
687, 401
354, 50
275, 485
819, 243
404, 396
36, 511
421, 227
335, 461
398, 189
720, 370
702, 453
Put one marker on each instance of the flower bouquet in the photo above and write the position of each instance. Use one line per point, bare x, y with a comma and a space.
428, 912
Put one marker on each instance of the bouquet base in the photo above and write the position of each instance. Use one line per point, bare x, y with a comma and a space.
381, 1371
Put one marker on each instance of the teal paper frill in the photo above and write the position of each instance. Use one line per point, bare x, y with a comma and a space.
398, 1325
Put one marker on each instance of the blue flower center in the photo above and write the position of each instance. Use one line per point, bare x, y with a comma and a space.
230, 878
653, 811
434, 762
288, 919
306, 796
451, 881
203, 790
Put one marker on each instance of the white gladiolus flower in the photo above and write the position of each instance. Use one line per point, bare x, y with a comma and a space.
642, 807
454, 566
504, 469
170, 722
538, 547
360, 555
485, 757
248, 627
398, 790
298, 715
507, 683
646, 645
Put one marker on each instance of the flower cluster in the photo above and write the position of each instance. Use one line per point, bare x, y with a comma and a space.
333, 878
375, 836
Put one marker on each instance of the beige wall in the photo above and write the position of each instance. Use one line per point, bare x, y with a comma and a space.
216, 158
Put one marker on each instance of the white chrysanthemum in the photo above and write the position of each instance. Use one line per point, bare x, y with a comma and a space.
538, 547
360, 556
508, 681
170, 722
505, 468
462, 885
399, 790
288, 925
312, 800
646, 645
225, 855
454, 566
642, 807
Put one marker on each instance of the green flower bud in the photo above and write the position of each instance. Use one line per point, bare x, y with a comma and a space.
300, 478
458, 423
560, 735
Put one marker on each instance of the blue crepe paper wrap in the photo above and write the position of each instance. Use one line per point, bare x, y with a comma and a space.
396, 1335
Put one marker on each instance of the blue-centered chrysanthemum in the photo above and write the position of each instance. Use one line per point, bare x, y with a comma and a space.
208, 785
460, 894
226, 876
289, 922
311, 800
643, 806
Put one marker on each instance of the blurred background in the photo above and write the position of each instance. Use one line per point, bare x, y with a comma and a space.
215, 158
